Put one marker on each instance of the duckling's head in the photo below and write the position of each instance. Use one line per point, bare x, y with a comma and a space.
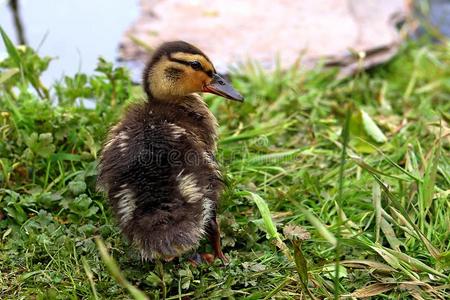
178, 69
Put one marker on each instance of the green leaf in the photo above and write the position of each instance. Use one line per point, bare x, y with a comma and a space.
330, 271
12, 51
77, 187
46, 138
8, 74
300, 264
389, 233
371, 128
65, 156
414, 263
16, 212
271, 229
46, 150
274, 157
269, 225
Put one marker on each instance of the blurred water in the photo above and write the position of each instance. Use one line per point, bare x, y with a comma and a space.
75, 32
440, 15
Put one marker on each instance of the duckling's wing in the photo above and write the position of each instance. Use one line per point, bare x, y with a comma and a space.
162, 185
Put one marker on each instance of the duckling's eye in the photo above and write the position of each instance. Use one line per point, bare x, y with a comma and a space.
195, 65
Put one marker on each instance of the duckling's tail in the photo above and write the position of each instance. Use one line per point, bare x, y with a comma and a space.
165, 233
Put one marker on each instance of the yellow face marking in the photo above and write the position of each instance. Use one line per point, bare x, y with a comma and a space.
206, 65
190, 80
195, 79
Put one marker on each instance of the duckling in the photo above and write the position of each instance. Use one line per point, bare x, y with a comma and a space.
157, 164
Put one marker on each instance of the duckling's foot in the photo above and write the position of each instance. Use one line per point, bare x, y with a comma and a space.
200, 258
214, 239
169, 258
196, 259
222, 257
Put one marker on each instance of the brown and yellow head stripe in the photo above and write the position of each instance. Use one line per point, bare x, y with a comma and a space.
187, 58
180, 52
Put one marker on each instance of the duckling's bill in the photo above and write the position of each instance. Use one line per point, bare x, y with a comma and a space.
223, 88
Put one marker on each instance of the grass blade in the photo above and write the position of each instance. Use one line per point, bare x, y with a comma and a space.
373, 290
301, 266
271, 229
393, 201
320, 227
90, 275
114, 270
339, 200
376, 199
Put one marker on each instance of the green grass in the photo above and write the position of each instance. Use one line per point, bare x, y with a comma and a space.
304, 212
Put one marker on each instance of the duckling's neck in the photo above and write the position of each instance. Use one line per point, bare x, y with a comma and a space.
191, 113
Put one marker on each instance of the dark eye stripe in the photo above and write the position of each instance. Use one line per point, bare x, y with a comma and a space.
188, 63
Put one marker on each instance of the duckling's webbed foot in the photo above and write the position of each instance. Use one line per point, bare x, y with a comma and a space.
214, 238
200, 258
